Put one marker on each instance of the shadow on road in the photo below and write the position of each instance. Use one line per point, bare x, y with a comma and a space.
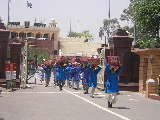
0, 96
13, 90
120, 108
1, 118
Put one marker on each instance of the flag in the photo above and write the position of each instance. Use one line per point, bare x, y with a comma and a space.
29, 4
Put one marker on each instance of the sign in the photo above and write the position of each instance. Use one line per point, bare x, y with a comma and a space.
27, 24
14, 23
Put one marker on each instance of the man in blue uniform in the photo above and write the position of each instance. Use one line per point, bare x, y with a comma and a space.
112, 83
93, 71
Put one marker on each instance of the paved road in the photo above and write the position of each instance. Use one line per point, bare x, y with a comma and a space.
48, 103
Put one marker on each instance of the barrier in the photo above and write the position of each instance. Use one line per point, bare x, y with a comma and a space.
10, 72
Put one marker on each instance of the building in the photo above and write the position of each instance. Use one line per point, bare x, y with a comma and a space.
38, 30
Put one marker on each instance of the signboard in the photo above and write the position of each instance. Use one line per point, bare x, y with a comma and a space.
14, 23
27, 24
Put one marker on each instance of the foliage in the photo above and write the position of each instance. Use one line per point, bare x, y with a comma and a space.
129, 29
147, 44
40, 53
85, 33
146, 16
72, 34
108, 26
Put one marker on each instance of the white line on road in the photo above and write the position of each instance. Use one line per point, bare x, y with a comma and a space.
37, 92
124, 118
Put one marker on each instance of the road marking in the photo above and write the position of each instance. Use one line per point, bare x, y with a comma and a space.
133, 99
118, 115
38, 92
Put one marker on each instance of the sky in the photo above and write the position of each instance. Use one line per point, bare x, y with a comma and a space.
83, 14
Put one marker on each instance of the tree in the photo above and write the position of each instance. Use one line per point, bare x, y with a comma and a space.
108, 27
40, 53
129, 29
72, 34
85, 33
145, 15
148, 16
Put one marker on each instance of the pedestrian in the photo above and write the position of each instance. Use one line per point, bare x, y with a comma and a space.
55, 75
47, 69
112, 83
61, 70
76, 71
85, 77
68, 75
93, 70
72, 73
41, 72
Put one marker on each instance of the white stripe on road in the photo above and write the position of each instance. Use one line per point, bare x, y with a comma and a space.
37, 92
118, 115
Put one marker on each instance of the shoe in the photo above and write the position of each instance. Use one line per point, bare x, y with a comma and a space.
109, 104
46, 86
85, 92
76, 88
92, 96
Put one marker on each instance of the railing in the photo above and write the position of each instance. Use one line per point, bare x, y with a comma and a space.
33, 27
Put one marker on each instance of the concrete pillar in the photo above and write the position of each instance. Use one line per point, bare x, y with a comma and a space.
150, 87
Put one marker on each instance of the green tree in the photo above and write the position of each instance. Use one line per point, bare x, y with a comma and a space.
108, 27
40, 53
85, 33
72, 34
145, 15
129, 29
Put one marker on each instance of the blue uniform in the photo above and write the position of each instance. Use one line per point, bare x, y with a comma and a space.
61, 72
76, 71
85, 75
112, 79
68, 73
55, 72
47, 71
93, 76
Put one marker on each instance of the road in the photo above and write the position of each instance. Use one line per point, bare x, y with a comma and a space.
48, 103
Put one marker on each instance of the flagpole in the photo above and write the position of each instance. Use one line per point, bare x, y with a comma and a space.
109, 20
27, 10
78, 26
8, 13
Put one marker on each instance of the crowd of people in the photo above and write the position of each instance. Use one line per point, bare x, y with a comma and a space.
74, 74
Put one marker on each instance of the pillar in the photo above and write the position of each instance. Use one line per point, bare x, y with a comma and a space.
150, 87
15, 51
4, 34
121, 43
